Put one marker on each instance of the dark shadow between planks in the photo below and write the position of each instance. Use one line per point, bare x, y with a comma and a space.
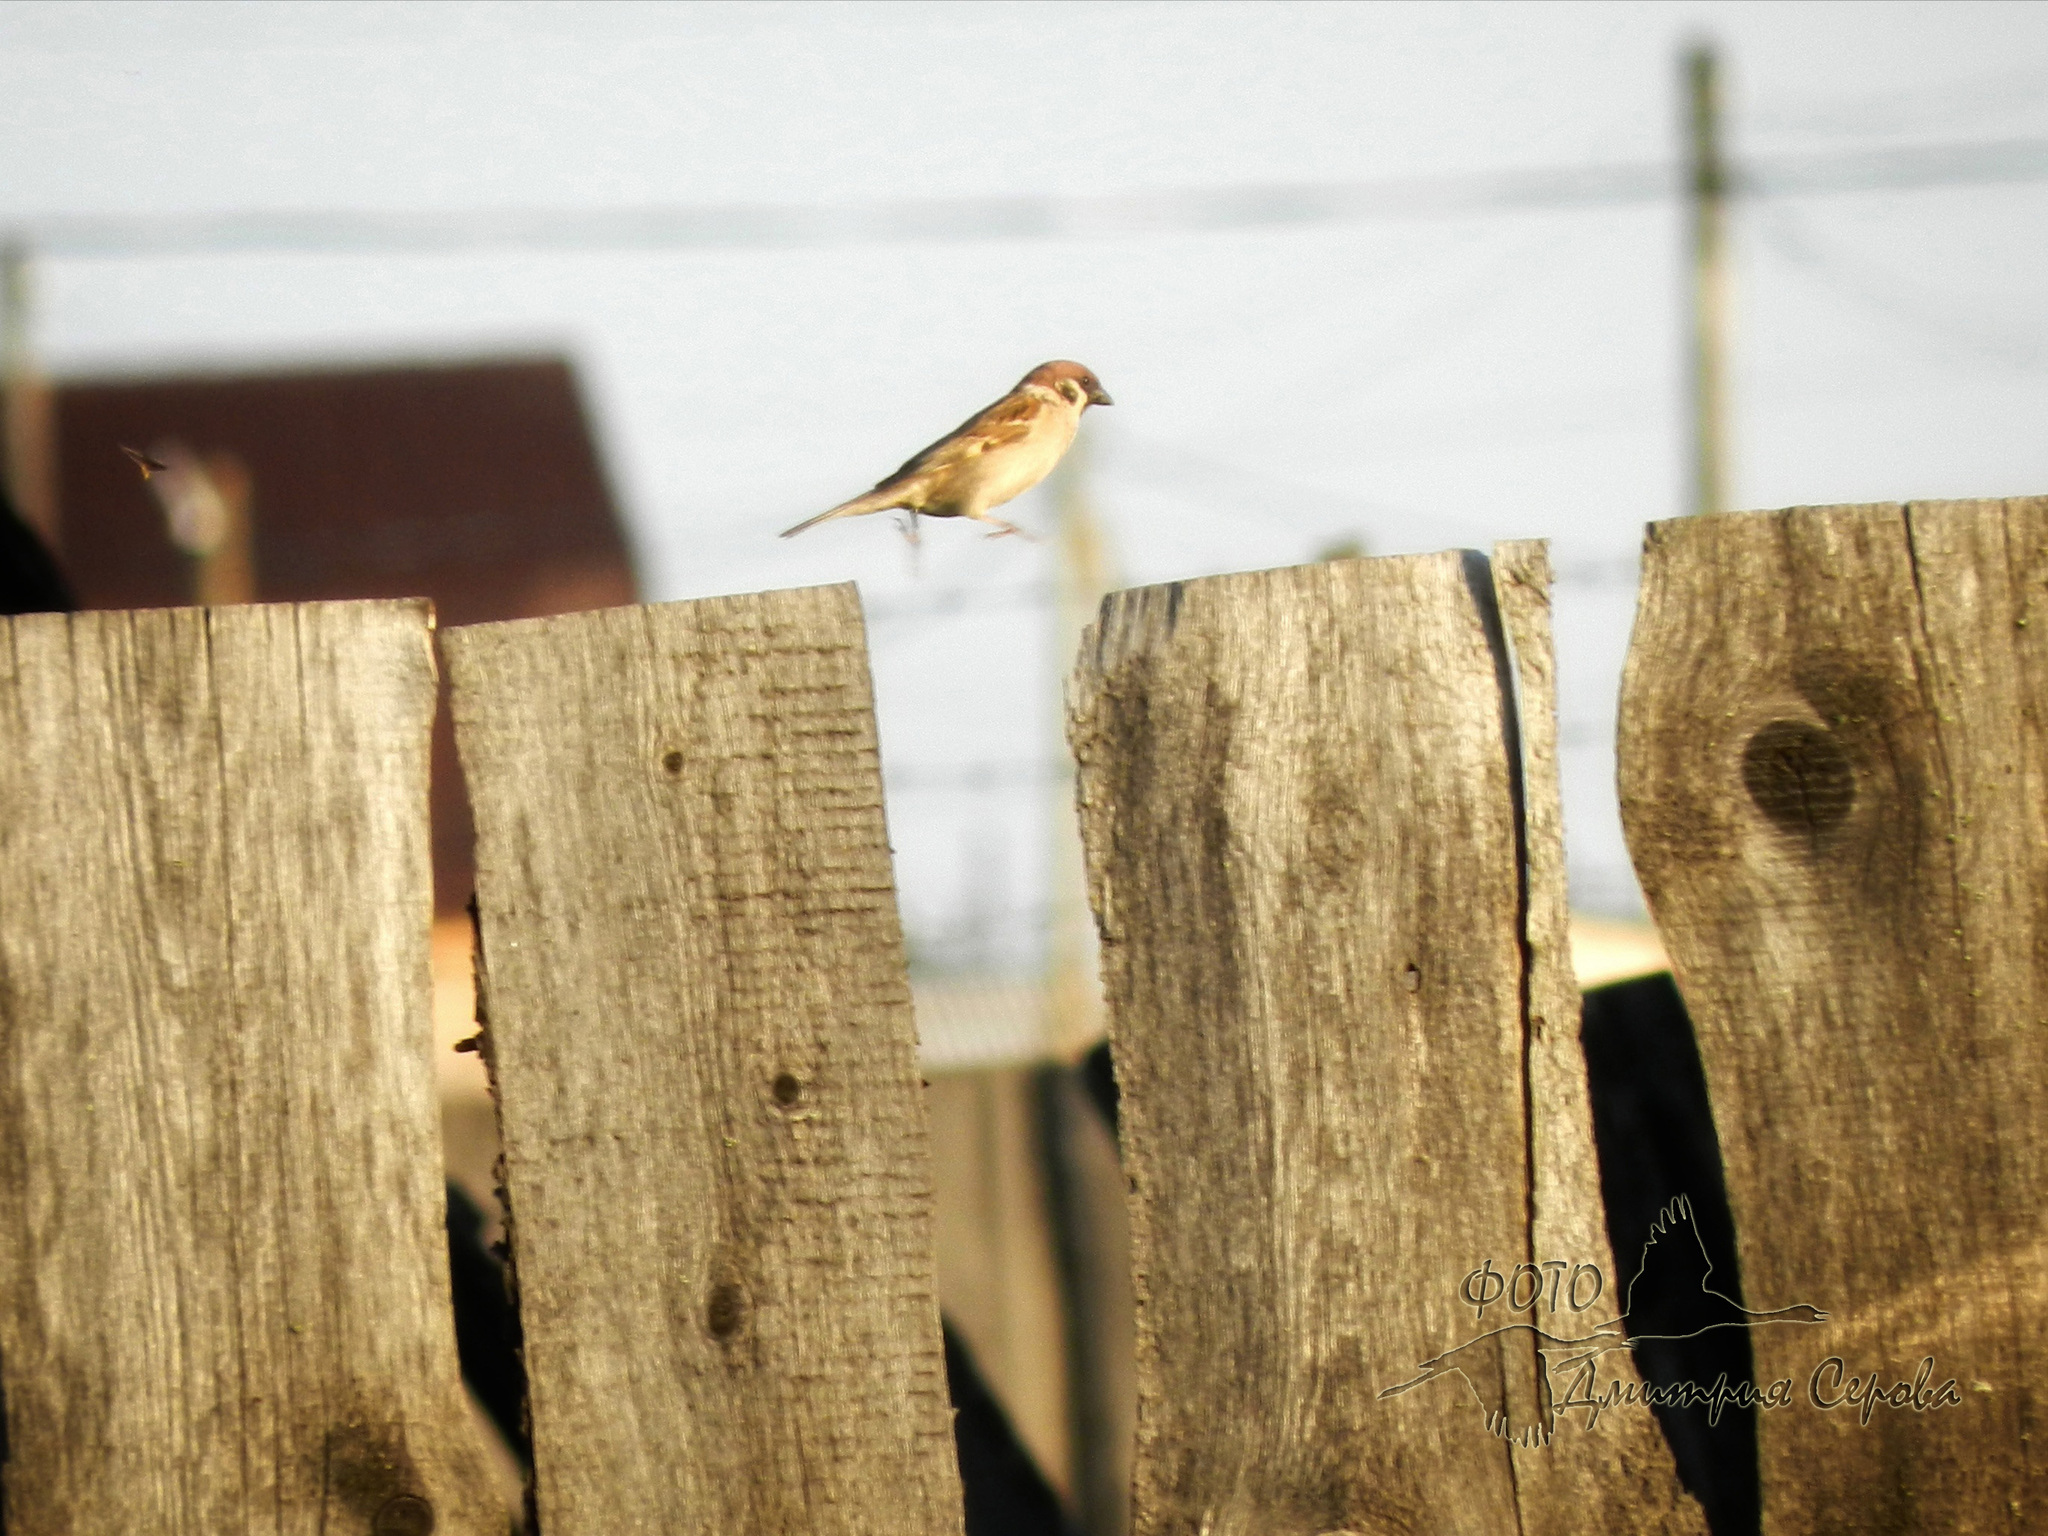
1654, 1131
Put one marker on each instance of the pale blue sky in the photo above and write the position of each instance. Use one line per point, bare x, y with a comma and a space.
1422, 382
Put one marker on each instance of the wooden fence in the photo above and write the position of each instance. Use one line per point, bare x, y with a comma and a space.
1321, 816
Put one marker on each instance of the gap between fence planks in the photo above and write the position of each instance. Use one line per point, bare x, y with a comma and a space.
223, 1264
699, 1026
1835, 784
1325, 957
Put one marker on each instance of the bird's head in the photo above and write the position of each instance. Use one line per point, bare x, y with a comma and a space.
1071, 382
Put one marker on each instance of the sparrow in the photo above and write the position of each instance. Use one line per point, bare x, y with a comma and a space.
989, 458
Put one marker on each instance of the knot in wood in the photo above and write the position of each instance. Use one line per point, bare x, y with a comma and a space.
726, 1313
405, 1515
1798, 775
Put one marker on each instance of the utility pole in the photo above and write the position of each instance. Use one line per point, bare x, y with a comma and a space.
1087, 1256
1081, 577
26, 437
1707, 195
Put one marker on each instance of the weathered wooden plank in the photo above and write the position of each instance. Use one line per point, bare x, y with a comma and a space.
1835, 785
1298, 800
223, 1266
1607, 1470
716, 1151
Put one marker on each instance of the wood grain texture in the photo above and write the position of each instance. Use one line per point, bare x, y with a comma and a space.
1298, 800
1835, 786
716, 1150
223, 1274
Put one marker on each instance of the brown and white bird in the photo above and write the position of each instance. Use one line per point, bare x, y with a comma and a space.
989, 458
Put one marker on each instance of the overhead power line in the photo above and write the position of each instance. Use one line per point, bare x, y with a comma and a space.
1899, 299
974, 778
1107, 216
950, 600
1618, 573
1004, 774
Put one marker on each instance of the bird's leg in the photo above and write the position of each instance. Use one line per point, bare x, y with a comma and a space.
914, 550
1002, 528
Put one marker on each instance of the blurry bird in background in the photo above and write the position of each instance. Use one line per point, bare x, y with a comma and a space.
989, 458
205, 502
185, 486
144, 462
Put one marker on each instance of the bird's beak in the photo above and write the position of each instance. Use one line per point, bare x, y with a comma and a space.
1099, 396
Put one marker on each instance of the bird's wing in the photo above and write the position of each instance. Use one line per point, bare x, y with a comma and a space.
1009, 420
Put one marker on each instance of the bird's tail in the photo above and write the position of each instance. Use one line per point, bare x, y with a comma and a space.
877, 500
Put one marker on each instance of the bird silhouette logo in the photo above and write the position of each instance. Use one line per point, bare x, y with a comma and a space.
1674, 1267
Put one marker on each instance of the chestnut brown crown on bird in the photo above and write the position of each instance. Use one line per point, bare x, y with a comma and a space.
990, 458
